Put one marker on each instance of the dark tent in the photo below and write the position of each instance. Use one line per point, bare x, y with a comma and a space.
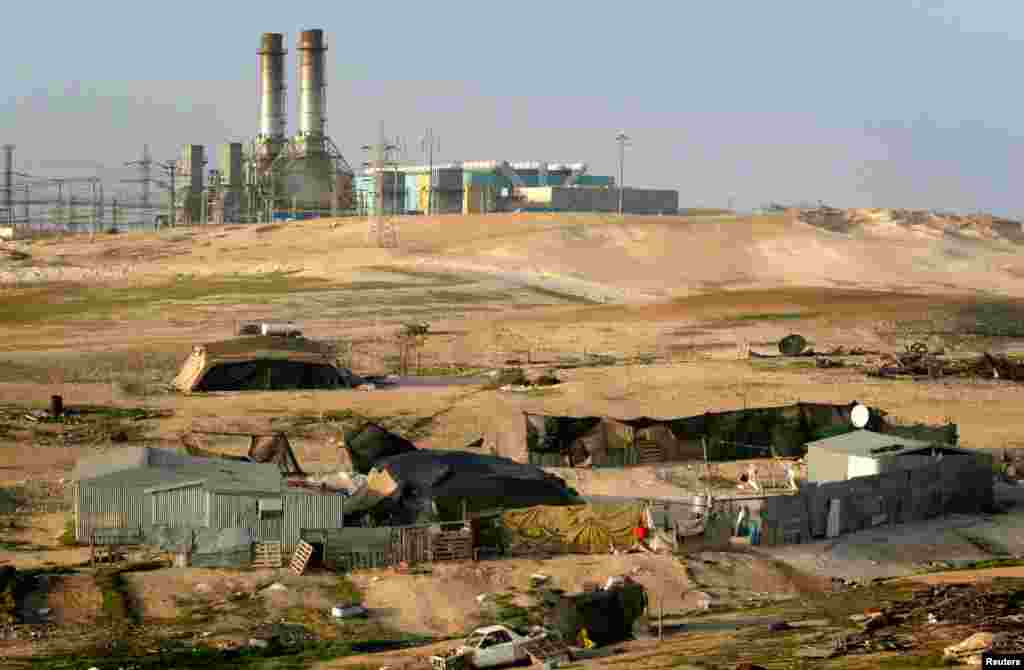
449, 478
262, 363
371, 443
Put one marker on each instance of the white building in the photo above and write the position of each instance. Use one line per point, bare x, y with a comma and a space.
863, 453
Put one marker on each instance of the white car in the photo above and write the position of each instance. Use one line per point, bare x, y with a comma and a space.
490, 647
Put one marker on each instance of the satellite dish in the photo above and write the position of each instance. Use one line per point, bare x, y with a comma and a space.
859, 416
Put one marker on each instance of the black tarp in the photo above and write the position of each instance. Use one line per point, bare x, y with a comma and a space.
371, 443
269, 375
483, 482
608, 616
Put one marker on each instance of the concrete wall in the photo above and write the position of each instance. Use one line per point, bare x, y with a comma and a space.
634, 201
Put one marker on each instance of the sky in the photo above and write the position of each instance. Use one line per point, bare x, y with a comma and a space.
876, 103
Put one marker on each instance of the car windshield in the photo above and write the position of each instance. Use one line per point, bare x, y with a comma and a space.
474, 640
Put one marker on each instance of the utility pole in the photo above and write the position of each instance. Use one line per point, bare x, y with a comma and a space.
28, 200
9, 181
429, 144
623, 139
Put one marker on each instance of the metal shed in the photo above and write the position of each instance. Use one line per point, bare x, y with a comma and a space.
863, 453
140, 490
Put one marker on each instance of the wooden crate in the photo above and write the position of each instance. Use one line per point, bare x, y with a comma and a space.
301, 557
267, 555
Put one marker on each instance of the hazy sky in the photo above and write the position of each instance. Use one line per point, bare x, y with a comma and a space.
886, 103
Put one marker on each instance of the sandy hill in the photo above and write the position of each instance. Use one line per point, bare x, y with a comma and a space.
600, 257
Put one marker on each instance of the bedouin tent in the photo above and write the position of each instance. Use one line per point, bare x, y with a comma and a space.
262, 363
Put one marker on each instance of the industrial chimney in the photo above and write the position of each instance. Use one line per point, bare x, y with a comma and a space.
312, 87
272, 88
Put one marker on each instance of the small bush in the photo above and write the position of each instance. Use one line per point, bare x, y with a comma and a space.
548, 379
67, 538
509, 376
347, 592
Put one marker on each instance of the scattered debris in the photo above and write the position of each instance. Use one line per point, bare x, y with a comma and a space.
924, 364
348, 612
985, 606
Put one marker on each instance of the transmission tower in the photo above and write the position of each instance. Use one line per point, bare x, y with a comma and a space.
145, 177
381, 228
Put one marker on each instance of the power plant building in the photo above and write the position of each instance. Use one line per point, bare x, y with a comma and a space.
277, 176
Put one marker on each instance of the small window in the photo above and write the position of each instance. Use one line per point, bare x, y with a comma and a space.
271, 508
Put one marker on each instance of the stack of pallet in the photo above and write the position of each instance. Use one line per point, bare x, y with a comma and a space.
267, 555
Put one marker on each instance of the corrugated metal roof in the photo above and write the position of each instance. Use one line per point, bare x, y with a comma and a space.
162, 467
864, 442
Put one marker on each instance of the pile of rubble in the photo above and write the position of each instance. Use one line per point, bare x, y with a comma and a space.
918, 362
990, 608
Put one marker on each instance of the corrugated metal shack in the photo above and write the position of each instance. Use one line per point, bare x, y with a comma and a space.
960, 483
155, 494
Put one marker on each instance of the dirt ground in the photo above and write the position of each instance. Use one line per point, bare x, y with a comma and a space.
969, 576
690, 295
439, 603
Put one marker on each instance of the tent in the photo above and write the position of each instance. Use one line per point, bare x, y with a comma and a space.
262, 362
437, 484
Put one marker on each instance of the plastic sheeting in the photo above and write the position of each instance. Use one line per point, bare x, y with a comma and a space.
587, 529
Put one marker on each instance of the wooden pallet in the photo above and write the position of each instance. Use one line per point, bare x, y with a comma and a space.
455, 546
301, 557
547, 649
268, 555
649, 452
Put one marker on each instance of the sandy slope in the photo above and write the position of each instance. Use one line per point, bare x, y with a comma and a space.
638, 258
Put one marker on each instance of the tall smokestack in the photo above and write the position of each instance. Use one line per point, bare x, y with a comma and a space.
272, 90
312, 89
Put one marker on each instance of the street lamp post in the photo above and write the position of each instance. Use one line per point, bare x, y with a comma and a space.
623, 139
